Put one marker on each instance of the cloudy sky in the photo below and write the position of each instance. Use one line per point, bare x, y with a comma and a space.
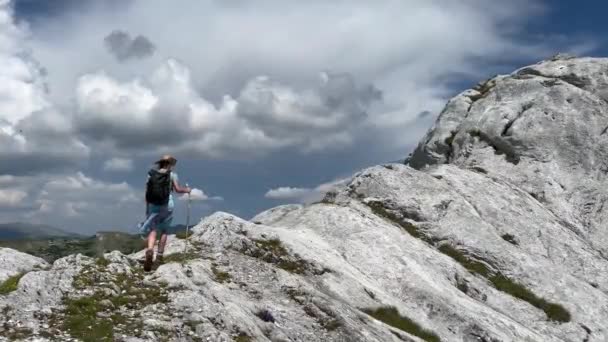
262, 102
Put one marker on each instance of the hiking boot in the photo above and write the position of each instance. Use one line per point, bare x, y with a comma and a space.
148, 260
159, 258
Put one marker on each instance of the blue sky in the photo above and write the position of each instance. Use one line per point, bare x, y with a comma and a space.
286, 126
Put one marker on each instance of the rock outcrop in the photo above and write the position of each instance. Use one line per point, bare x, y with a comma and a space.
493, 232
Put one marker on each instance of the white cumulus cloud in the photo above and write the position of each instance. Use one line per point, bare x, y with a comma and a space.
242, 88
118, 164
165, 111
199, 195
305, 195
34, 135
11, 198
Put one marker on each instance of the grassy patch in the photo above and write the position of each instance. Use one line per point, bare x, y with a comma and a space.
378, 209
391, 316
220, 276
183, 257
81, 320
11, 284
272, 251
102, 262
242, 337
183, 235
470, 264
99, 317
554, 312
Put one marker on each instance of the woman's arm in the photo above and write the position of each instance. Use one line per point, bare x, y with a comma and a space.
179, 189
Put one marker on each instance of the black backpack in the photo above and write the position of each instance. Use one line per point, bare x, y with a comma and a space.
158, 187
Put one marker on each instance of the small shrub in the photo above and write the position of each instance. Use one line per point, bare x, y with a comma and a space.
11, 284
391, 316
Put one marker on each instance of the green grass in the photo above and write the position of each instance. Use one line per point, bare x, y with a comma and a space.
182, 234
554, 312
272, 251
183, 257
378, 209
470, 264
220, 276
391, 316
242, 337
79, 316
11, 284
102, 262
82, 322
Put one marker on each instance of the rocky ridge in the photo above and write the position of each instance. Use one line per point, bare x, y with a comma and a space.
492, 232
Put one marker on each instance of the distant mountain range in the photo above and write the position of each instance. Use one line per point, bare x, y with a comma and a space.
29, 231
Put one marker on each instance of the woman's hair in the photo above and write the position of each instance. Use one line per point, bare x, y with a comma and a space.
163, 164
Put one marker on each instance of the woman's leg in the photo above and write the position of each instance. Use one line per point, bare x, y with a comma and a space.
150, 251
164, 227
152, 238
161, 247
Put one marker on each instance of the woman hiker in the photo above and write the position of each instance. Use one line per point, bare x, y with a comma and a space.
160, 184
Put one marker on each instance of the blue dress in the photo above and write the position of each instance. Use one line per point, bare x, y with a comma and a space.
159, 217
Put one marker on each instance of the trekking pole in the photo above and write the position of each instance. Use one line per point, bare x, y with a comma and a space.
187, 221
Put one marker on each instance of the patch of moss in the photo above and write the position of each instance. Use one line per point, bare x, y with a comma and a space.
391, 316
11, 284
